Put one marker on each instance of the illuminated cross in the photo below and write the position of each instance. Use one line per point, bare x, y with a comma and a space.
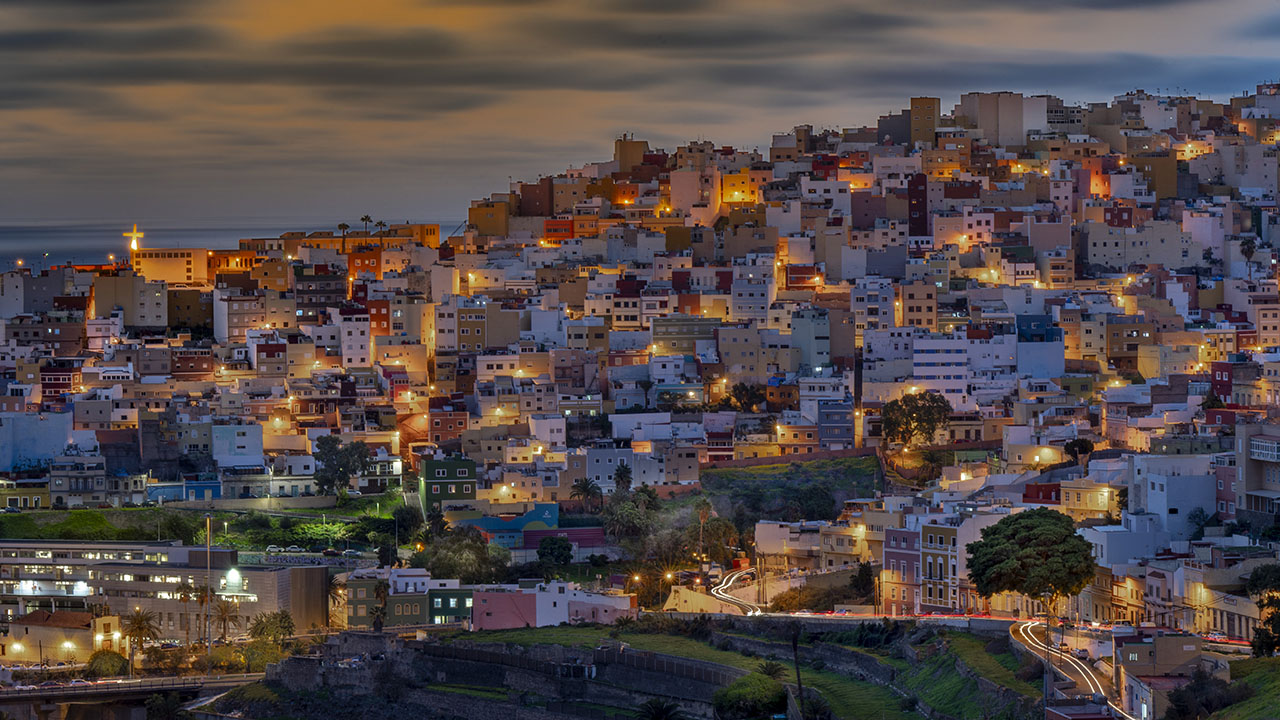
133, 237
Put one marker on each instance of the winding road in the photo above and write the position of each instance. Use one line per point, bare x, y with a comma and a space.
1079, 671
721, 591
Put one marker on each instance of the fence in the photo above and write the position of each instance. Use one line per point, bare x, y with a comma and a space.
666, 664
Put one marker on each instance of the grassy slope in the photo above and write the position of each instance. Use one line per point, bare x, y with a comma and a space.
998, 668
1264, 675
848, 697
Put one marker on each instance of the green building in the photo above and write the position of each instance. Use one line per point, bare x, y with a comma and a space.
442, 480
413, 598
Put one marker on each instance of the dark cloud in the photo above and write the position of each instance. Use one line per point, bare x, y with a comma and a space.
113, 40
109, 11
722, 36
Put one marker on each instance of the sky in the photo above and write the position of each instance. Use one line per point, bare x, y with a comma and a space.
272, 112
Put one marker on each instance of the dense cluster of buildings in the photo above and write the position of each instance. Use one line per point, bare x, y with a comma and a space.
1058, 273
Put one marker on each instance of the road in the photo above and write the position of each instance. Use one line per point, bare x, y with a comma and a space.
1078, 671
721, 592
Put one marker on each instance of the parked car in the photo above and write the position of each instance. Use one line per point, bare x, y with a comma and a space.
1215, 637
12, 510
350, 553
50, 684
294, 549
274, 549
1082, 653
330, 552
77, 682
353, 493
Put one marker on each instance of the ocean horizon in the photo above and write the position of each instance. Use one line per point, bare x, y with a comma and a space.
92, 242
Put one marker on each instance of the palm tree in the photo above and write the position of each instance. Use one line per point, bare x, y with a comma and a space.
203, 597
186, 593
587, 491
622, 478
337, 597
436, 523
343, 228
366, 220
796, 630
382, 227
139, 627
225, 615
377, 616
659, 709
1248, 247
772, 668
381, 591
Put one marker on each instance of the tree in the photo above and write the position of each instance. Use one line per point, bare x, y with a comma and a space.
337, 594
336, 463
746, 397
796, 630
863, 582
378, 617
1034, 552
1263, 585
1248, 246
463, 554
343, 228
408, 518
272, 626
1077, 448
915, 417
186, 593
622, 478
772, 668
659, 709
226, 615
382, 227
106, 663
366, 219
586, 491
1204, 696
381, 592
166, 707
139, 626
555, 551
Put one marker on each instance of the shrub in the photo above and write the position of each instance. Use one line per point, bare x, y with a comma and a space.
751, 696
107, 663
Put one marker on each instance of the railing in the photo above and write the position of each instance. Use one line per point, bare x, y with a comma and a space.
126, 687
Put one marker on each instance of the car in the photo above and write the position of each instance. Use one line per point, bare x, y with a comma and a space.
24, 687
294, 549
12, 509
353, 493
350, 553
274, 549
50, 684
1082, 653
330, 552
77, 682
1215, 637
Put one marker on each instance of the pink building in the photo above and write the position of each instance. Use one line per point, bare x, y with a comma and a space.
503, 609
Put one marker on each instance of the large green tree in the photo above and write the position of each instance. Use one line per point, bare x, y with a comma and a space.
1034, 552
915, 417
337, 463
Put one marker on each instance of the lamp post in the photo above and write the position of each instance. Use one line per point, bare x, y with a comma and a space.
208, 591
